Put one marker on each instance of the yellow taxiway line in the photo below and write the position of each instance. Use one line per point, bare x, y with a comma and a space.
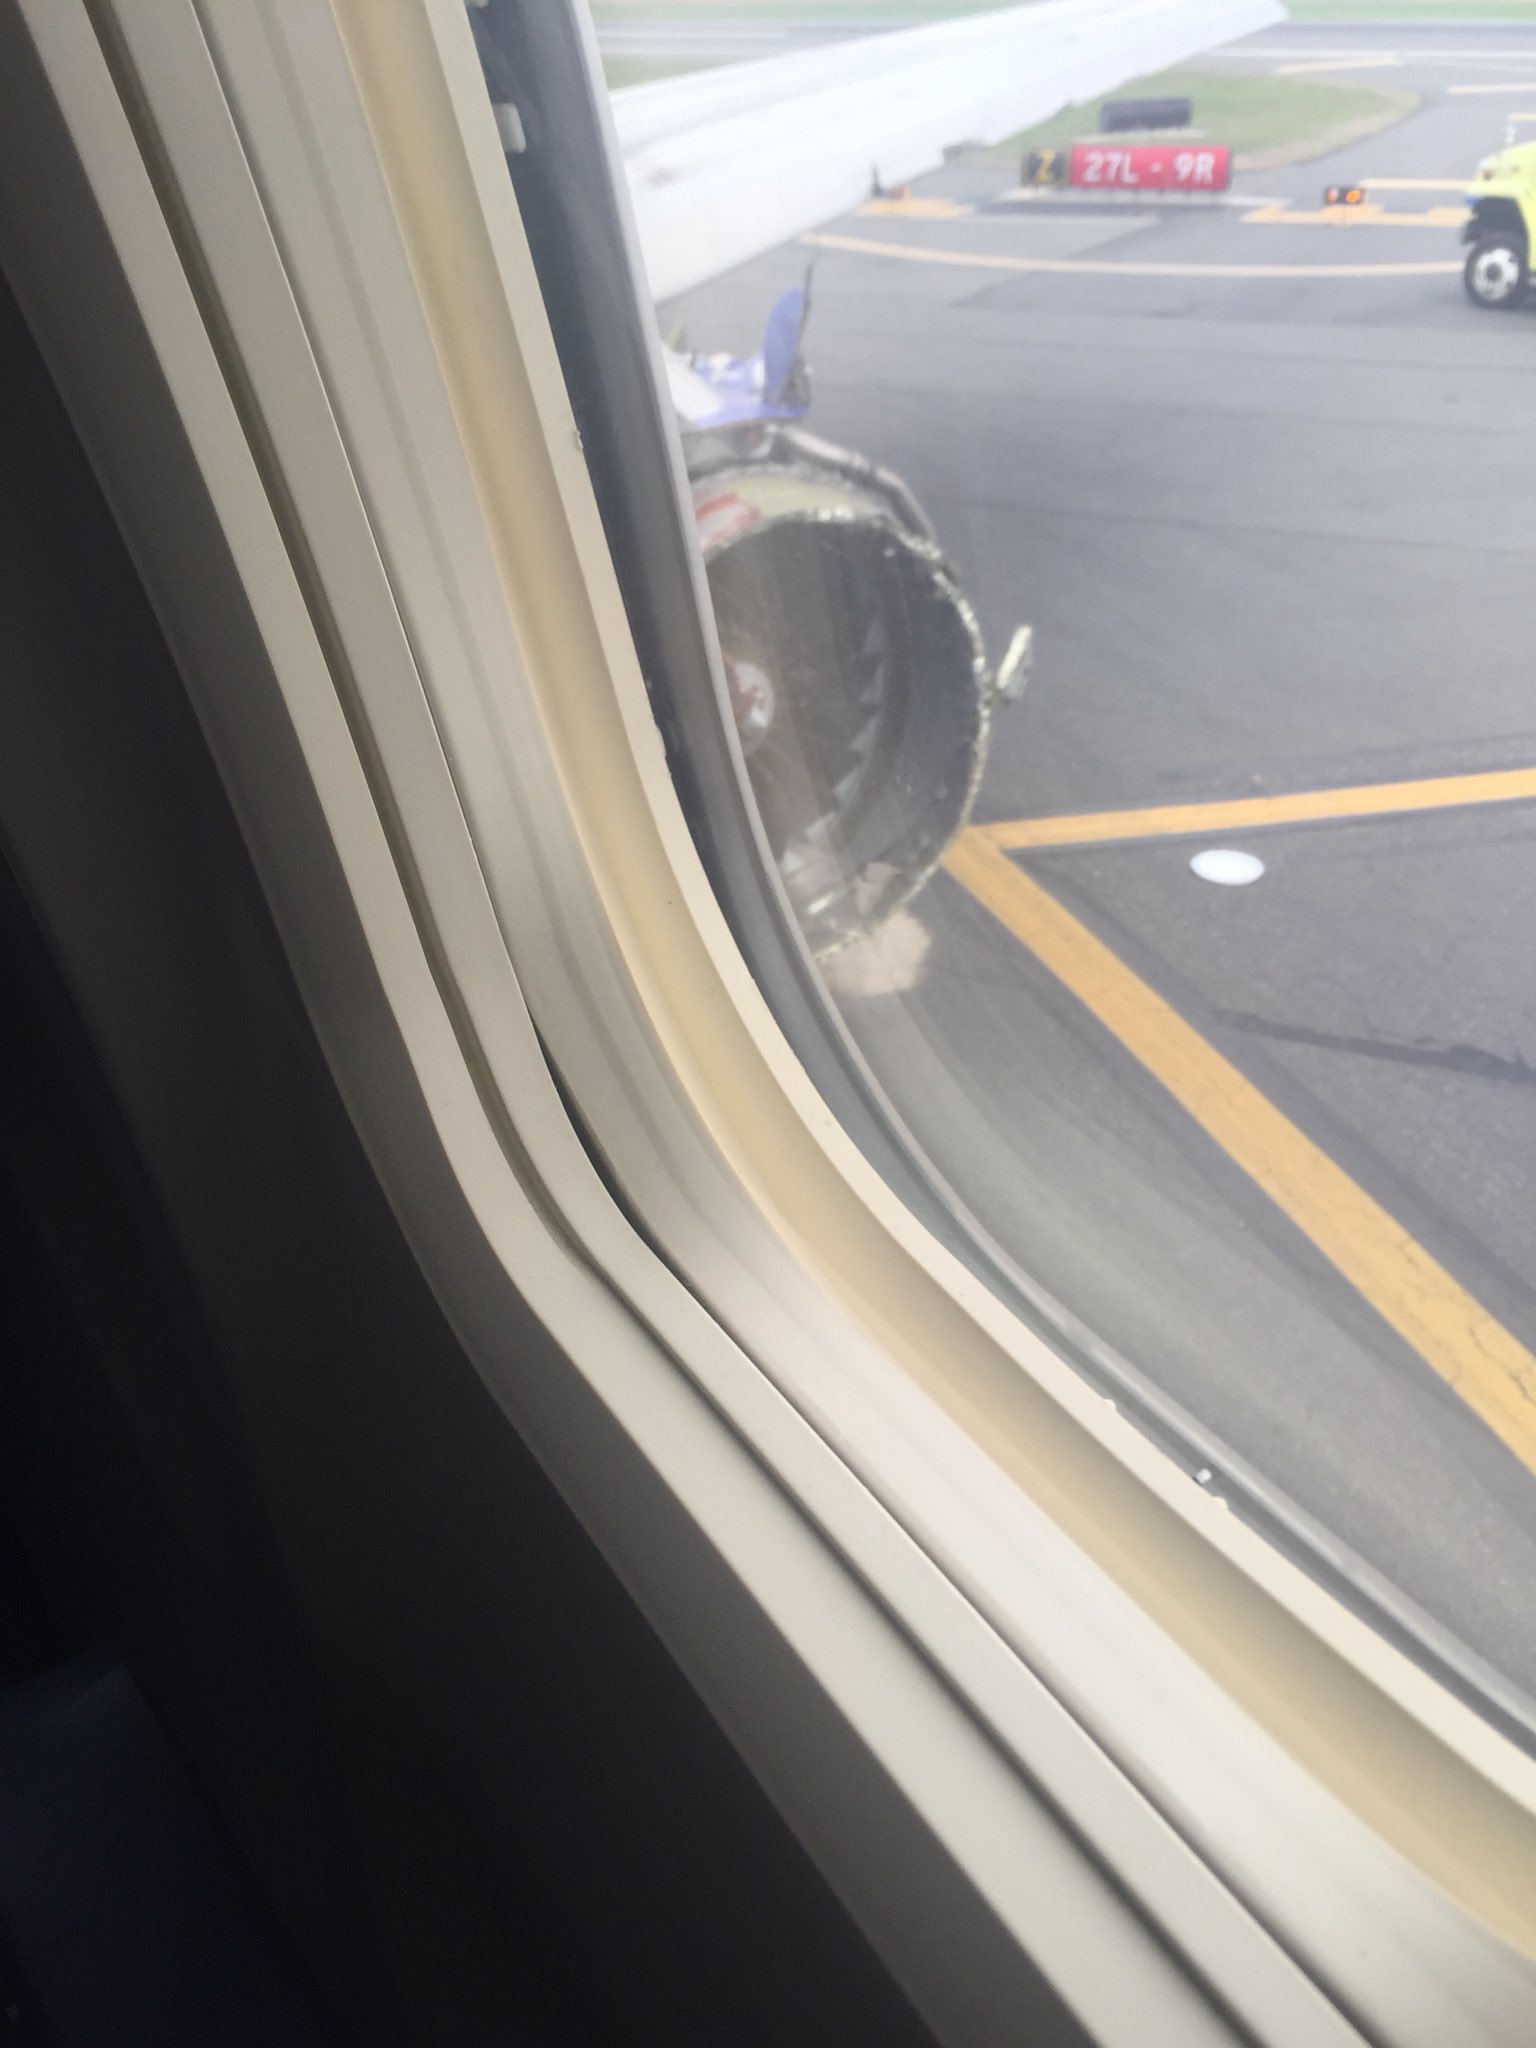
1362, 216
1488, 1367
1088, 266
1363, 60
1416, 184
915, 207
1509, 85
1253, 813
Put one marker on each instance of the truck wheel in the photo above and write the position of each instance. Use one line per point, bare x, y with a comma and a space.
1496, 272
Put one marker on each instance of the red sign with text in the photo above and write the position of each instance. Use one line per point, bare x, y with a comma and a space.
1151, 166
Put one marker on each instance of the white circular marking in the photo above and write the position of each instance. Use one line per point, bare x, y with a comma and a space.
1226, 865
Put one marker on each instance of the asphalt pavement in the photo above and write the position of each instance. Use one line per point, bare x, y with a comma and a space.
1266, 489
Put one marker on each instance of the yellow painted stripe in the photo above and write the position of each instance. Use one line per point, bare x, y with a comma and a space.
1363, 216
1360, 61
917, 208
1509, 85
1250, 813
1087, 266
1487, 1366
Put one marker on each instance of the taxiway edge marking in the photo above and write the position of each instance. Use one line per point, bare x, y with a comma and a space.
1250, 813
1087, 266
1454, 1334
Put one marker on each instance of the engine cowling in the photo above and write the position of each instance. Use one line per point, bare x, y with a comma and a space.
857, 673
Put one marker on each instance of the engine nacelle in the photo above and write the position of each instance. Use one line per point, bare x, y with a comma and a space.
857, 673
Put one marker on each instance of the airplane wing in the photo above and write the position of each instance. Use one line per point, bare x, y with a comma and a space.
724, 164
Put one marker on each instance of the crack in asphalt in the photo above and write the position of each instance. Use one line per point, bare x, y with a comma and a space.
1475, 1060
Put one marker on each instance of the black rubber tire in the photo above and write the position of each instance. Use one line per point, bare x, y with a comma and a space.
1475, 270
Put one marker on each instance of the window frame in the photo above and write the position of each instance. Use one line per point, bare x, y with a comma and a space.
337, 327
569, 184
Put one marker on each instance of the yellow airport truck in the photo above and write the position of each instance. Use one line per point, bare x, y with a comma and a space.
1500, 223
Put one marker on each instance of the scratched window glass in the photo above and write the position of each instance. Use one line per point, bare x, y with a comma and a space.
1112, 463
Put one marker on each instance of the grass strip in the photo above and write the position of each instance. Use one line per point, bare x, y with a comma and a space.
1266, 121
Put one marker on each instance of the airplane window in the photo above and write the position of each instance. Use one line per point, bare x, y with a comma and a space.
1108, 463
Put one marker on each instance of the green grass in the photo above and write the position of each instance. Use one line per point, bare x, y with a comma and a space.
1413, 10
1257, 116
